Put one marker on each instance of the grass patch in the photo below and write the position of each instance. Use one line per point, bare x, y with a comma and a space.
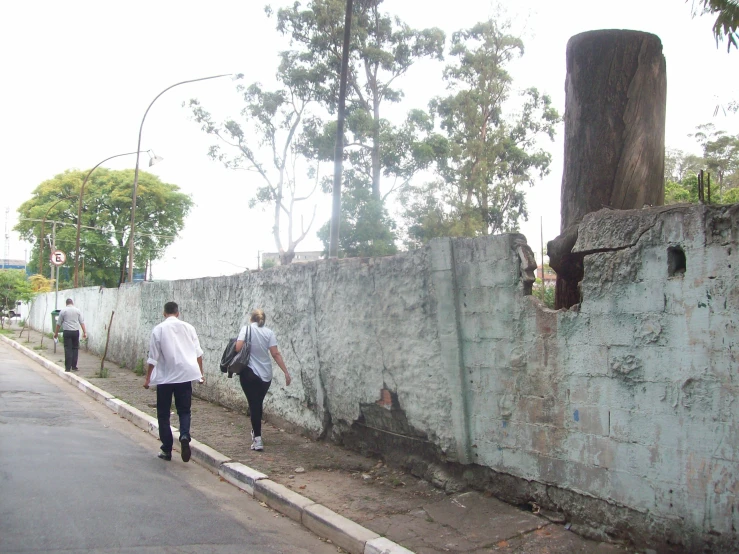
122, 365
39, 347
139, 369
6, 331
103, 373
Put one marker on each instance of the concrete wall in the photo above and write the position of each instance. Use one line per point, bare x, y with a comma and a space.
621, 413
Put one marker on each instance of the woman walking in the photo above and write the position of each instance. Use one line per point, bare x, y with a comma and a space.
257, 377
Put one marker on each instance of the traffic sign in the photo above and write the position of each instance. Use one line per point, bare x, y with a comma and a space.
58, 257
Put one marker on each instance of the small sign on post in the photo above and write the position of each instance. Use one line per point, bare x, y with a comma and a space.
58, 258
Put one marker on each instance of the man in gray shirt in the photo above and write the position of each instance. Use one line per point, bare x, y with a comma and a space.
70, 320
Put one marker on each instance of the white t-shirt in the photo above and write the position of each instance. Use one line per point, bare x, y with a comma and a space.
174, 350
262, 338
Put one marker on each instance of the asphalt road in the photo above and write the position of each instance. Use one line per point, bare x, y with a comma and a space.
74, 477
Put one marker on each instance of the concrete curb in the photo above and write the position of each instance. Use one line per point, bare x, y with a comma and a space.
350, 536
241, 476
317, 518
382, 545
207, 456
282, 499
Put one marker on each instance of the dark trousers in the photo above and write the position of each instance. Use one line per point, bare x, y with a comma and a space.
71, 348
182, 400
255, 390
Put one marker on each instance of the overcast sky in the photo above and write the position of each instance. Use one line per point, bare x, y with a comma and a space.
78, 76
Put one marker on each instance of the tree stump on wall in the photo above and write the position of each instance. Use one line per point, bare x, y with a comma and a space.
614, 137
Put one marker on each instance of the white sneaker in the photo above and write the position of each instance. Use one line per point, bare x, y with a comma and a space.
257, 444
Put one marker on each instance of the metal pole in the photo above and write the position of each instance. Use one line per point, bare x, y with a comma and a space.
79, 213
333, 249
541, 227
54, 268
136, 171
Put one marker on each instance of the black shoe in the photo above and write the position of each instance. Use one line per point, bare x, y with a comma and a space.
67, 370
164, 455
185, 449
75, 369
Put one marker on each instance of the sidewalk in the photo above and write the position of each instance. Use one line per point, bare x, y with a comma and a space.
393, 504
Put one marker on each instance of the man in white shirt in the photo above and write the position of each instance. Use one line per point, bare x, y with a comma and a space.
175, 361
70, 321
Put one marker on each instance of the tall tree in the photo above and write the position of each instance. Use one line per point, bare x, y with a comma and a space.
380, 155
721, 155
382, 50
268, 143
160, 216
489, 154
679, 165
14, 287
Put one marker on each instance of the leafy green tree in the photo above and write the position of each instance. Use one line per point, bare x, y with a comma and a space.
366, 228
721, 156
382, 50
682, 191
378, 152
268, 143
489, 154
679, 165
14, 287
269, 263
160, 215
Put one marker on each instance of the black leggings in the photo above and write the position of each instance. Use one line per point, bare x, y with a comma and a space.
255, 390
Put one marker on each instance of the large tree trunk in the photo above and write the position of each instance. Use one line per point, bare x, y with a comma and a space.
614, 137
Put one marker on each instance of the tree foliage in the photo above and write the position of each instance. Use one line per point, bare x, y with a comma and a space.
489, 153
14, 287
106, 219
720, 160
727, 19
382, 50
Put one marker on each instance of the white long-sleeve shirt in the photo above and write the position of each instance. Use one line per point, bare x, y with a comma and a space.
174, 350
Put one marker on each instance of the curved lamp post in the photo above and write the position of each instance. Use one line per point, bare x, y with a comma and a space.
136, 172
153, 159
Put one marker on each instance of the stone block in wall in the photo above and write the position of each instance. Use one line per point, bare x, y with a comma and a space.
616, 330
588, 419
536, 439
573, 328
479, 327
587, 389
631, 490
590, 450
591, 359
538, 410
496, 302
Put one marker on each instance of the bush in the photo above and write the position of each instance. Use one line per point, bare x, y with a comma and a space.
544, 293
139, 370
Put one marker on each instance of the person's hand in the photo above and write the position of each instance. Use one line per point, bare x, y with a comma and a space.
202, 379
288, 379
84, 335
56, 335
146, 382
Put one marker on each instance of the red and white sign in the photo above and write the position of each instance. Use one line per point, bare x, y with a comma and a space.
58, 257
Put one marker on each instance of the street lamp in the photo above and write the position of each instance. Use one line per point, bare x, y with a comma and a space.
136, 172
152, 160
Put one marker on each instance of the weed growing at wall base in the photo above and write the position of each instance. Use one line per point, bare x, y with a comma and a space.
139, 369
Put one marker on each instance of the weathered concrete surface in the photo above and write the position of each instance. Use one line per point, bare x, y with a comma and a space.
621, 415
